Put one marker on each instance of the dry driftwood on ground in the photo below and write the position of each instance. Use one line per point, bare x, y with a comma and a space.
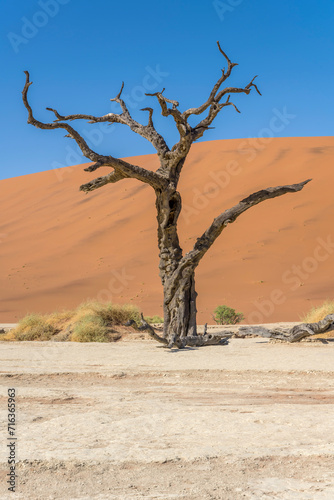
293, 334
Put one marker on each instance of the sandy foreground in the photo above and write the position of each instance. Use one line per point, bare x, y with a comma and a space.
132, 420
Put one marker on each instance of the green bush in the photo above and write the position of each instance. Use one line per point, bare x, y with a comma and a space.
224, 315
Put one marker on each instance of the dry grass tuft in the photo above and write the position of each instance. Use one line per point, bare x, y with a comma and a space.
34, 327
318, 313
90, 322
113, 314
90, 328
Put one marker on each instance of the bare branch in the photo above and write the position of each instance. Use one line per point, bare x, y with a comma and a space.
50, 126
58, 116
203, 243
216, 107
231, 90
125, 170
177, 271
151, 331
95, 166
251, 84
119, 93
213, 101
148, 131
122, 168
101, 181
230, 64
110, 117
181, 123
200, 109
189, 134
202, 126
150, 110
294, 334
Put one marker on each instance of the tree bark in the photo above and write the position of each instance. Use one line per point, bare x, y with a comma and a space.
191, 341
179, 288
177, 272
295, 334
180, 308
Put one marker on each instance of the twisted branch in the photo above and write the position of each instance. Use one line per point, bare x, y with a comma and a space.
171, 160
101, 181
200, 109
181, 124
189, 134
95, 166
89, 153
122, 168
203, 243
125, 118
150, 110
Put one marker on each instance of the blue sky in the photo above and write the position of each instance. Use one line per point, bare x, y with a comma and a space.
79, 51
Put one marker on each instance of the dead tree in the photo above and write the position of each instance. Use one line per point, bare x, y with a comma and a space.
177, 271
294, 334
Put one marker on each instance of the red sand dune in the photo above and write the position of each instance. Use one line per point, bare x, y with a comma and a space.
59, 247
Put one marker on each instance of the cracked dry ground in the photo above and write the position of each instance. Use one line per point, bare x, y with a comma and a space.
132, 421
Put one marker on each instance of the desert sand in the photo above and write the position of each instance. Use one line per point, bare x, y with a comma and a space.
59, 247
132, 420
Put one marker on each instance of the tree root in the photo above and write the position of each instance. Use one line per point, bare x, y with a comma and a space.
291, 335
191, 341
202, 340
152, 332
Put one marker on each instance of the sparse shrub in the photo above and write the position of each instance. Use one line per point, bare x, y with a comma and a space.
34, 327
90, 328
7, 335
112, 314
59, 319
318, 313
91, 322
224, 315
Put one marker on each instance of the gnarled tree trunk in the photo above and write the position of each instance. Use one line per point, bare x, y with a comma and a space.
179, 304
180, 307
177, 271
